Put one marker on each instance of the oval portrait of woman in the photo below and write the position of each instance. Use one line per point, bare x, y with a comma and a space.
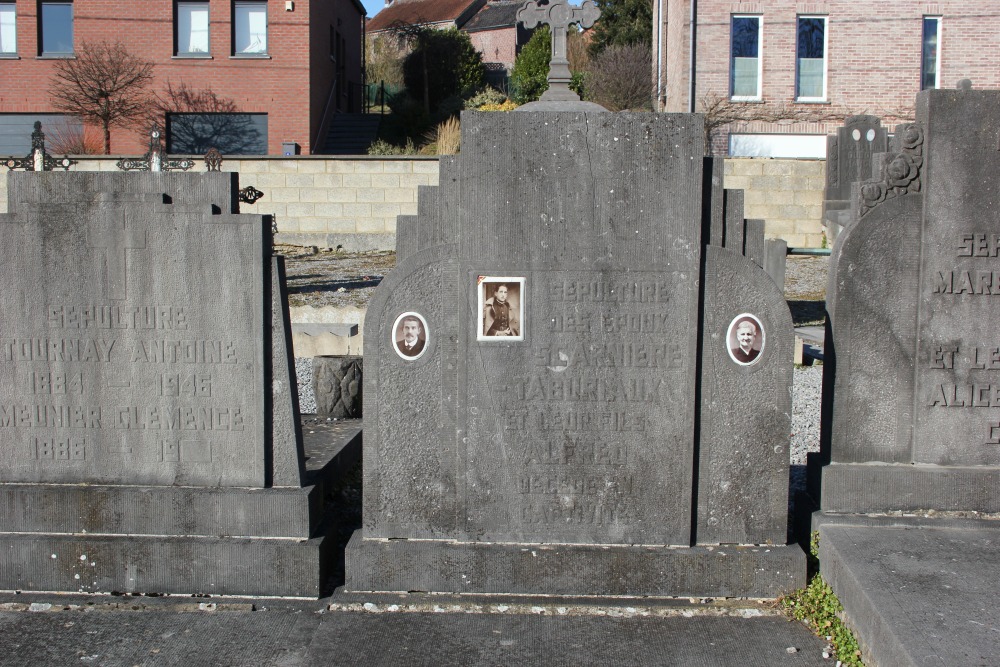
745, 339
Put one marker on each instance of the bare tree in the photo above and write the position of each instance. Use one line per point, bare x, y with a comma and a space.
720, 111
105, 84
619, 78
200, 120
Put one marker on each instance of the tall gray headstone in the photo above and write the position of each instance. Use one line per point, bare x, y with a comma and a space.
147, 401
915, 423
849, 155
547, 424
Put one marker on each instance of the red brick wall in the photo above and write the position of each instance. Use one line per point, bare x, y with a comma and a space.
279, 86
873, 51
497, 46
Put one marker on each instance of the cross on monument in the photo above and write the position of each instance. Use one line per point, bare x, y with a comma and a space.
116, 236
559, 15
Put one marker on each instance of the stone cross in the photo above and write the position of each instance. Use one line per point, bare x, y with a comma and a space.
116, 237
559, 15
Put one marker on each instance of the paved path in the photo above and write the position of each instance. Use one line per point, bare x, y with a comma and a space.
175, 631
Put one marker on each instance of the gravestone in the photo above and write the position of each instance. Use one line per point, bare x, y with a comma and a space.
149, 427
579, 417
337, 386
849, 155
913, 409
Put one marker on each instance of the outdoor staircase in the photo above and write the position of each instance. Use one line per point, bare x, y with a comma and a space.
351, 134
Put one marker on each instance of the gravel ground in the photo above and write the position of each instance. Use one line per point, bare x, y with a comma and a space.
304, 373
326, 277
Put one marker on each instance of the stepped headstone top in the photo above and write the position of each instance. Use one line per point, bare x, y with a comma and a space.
132, 348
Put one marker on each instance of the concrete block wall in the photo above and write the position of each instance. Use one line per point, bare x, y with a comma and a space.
317, 200
786, 194
353, 202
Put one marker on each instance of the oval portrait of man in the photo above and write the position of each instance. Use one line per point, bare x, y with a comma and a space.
745, 339
409, 335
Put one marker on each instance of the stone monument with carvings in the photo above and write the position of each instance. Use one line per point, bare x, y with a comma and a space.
913, 398
849, 155
601, 397
149, 436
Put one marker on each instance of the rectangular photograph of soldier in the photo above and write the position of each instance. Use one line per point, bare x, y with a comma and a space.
501, 308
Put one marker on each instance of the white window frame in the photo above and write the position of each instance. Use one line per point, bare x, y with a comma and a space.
247, 6
8, 29
184, 28
760, 59
826, 57
923, 52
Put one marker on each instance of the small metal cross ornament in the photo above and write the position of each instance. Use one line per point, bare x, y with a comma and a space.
559, 15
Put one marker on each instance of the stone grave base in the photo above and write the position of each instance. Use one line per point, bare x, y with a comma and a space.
573, 569
156, 564
174, 539
881, 487
916, 591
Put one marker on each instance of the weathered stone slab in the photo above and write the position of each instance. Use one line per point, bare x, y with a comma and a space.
912, 325
775, 259
155, 510
407, 236
574, 569
735, 224
714, 201
288, 460
849, 156
753, 244
110, 372
337, 386
552, 398
919, 594
746, 405
164, 564
891, 487
872, 310
148, 408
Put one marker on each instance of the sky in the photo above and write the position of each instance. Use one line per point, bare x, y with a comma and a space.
372, 6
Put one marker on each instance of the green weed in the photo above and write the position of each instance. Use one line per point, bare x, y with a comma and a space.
818, 607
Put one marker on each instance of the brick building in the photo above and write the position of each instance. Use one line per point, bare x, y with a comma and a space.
280, 68
810, 61
492, 27
497, 35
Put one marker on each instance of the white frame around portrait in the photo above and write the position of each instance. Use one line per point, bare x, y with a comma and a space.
481, 285
731, 337
395, 331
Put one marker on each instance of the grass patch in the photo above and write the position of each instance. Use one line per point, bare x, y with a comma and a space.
817, 606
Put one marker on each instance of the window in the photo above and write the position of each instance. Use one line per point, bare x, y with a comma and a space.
810, 61
57, 28
61, 132
191, 29
250, 28
8, 29
231, 133
930, 65
745, 64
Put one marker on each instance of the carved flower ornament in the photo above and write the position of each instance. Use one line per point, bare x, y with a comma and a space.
872, 193
902, 171
912, 137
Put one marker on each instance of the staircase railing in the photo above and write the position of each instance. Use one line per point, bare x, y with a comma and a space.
324, 121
